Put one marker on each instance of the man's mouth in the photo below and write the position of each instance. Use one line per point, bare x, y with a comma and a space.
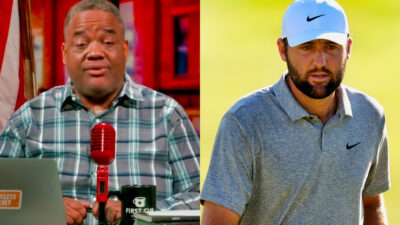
96, 70
319, 77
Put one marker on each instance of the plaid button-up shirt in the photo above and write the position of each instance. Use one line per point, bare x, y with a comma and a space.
155, 143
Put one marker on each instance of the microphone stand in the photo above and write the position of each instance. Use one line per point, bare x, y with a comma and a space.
102, 192
102, 213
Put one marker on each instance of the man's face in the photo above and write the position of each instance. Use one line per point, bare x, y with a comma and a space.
95, 54
317, 67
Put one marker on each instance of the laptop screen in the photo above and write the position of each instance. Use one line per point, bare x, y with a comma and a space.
30, 192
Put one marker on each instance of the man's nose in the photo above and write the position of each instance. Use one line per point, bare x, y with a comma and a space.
320, 58
95, 51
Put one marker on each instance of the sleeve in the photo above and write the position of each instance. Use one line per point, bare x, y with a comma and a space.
12, 138
378, 180
184, 160
230, 174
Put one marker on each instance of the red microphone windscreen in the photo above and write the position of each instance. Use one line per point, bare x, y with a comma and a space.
102, 144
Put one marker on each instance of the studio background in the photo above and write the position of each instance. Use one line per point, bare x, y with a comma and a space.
238, 55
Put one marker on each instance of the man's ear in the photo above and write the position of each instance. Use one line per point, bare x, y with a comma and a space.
126, 50
63, 52
348, 48
281, 49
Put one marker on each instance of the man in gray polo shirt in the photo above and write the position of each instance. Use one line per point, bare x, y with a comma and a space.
308, 149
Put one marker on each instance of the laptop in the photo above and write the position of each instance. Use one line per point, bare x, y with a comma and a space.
170, 217
30, 192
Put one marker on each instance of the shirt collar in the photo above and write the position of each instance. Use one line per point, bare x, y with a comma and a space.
132, 90
344, 106
294, 109
130, 93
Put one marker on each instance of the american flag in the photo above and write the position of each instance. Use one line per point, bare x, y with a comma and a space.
12, 58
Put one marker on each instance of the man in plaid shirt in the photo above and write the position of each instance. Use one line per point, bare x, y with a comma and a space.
155, 141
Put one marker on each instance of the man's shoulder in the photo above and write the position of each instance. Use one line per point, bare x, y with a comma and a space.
45, 100
156, 98
362, 103
252, 102
148, 92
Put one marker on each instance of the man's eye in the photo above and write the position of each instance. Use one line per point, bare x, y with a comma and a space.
109, 43
332, 47
80, 45
305, 47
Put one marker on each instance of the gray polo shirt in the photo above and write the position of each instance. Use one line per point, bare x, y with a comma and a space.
274, 163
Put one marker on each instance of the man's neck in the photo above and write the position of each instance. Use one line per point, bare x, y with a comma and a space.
323, 108
97, 104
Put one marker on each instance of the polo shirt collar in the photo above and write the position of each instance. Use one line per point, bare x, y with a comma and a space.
130, 93
287, 100
294, 109
344, 106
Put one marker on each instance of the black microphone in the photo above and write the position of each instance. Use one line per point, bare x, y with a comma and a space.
102, 151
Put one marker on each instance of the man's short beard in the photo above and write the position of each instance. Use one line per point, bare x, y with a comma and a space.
306, 88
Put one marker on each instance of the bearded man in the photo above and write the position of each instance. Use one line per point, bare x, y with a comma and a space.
308, 149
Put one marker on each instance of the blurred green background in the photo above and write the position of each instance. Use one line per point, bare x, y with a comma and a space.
239, 55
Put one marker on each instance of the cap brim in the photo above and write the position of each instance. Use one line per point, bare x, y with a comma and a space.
297, 39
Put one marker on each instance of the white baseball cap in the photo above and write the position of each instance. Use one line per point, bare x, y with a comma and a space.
307, 20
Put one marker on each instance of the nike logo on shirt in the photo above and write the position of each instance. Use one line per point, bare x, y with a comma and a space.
348, 147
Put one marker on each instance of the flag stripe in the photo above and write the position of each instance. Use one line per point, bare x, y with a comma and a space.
9, 73
5, 16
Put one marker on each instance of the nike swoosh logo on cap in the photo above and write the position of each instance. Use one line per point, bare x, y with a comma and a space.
313, 18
